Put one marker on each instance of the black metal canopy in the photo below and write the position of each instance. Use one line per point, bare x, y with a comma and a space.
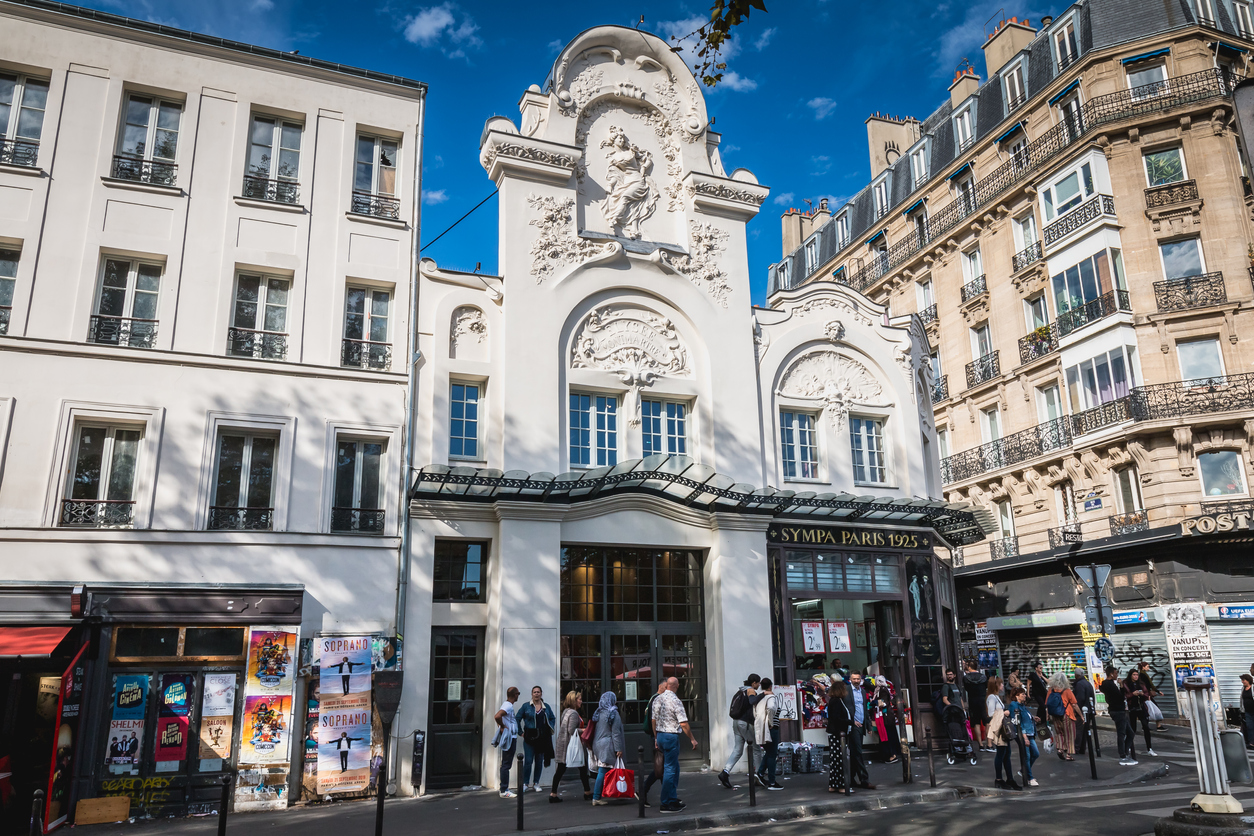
681, 480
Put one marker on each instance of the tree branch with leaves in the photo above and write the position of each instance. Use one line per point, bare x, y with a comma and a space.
712, 37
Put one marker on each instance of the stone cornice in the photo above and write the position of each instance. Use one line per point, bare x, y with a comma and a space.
724, 195
521, 156
537, 511
724, 521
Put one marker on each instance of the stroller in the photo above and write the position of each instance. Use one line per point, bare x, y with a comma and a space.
960, 745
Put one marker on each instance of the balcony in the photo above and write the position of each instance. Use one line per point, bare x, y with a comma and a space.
6, 313
974, 288
23, 152
1231, 393
1067, 60
1102, 205
1026, 257
378, 206
153, 172
1171, 194
1105, 415
1190, 292
1003, 548
259, 345
97, 513
983, 370
1103, 306
358, 520
1039, 343
940, 389
1004, 452
1016, 101
364, 354
1129, 523
928, 314
125, 331
275, 191
1065, 535
222, 518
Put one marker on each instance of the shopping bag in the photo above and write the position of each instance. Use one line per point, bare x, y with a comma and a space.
659, 762
1152, 711
574, 752
620, 782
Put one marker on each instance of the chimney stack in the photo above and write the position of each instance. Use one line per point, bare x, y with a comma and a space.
888, 137
1009, 39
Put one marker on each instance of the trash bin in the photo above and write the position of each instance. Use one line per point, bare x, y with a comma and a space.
1235, 758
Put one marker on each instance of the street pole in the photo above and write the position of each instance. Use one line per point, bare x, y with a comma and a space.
1091, 731
226, 803
640, 780
522, 790
753, 799
931, 761
381, 784
907, 776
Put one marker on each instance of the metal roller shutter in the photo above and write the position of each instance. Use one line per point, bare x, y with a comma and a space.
1134, 645
1232, 645
1057, 649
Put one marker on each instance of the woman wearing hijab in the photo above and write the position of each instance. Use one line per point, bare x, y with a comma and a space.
608, 743
886, 720
838, 722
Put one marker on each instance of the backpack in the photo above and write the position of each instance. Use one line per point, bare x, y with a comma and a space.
1054, 704
739, 705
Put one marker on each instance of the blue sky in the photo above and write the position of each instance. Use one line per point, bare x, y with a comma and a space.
801, 81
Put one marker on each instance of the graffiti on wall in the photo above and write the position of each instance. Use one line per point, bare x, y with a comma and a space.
143, 792
1130, 652
1021, 656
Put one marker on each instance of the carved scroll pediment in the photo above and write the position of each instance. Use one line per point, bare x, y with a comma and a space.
832, 379
637, 345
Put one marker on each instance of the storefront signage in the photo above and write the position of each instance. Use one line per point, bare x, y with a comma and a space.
838, 637
812, 637
1210, 523
853, 538
1236, 611
1188, 647
1131, 617
1048, 619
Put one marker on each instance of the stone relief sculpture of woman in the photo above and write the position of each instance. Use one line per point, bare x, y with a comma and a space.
632, 195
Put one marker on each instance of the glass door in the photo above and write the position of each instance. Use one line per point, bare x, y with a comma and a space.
454, 732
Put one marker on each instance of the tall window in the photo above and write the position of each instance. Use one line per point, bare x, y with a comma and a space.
881, 197
918, 166
1036, 311
1200, 360
1163, 167
101, 491
243, 493
812, 255
1245, 23
1065, 44
1147, 82
942, 442
1071, 114
1069, 191
981, 340
593, 430
923, 290
1048, 403
148, 146
366, 329
374, 180
1127, 491
259, 318
1100, 380
1086, 282
799, 445
8, 281
842, 229
965, 193
1182, 258
22, 103
1025, 231
458, 572
273, 160
1206, 11
1016, 92
663, 427
990, 424
964, 129
1006, 518
866, 442
972, 265
358, 501
1222, 473
1020, 153
126, 304
463, 436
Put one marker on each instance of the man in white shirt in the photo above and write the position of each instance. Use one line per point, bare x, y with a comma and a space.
669, 718
507, 738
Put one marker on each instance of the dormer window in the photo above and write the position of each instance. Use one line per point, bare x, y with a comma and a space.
881, 197
812, 255
964, 129
781, 274
1245, 22
1206, 11
1065, 44
918, 165
842, 229
1016, 90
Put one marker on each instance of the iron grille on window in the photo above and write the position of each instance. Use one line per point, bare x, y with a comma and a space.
983, 369
23, 152
276, 191
940, 389
1113, 412
1128, 523
1067, 60
1190, 292
1092, 209
260, 345
1004, 548
928, 314
122, 330
380, 206
1025, 257
976, 287
1010, 450
5, 313
98, 513
1099, 308
1038, 343
154, 172
240, 519
1171, 194
1056, 539
366, 355
363, 520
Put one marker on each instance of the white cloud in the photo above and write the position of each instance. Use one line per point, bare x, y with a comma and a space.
441, 25
784, 199
555, 44
964, 38
822, 164
737, 83
728, 148
822, 107
434, 197
688, 49
764, 39
261, 5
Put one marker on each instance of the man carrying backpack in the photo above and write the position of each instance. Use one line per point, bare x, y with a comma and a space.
743, 702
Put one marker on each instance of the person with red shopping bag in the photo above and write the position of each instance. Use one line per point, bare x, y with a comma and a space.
607, 753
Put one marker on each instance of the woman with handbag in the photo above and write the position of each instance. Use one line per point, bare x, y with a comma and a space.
1000, 731
536, 722
886, 720
569, 751
1136, 697
1063, 709
608, 743
838, 723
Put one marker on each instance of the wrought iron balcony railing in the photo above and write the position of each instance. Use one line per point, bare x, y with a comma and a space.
1171, 194
976, 287
1067, 60
1103, 306
259, 345
1105, 415
983, 369
379, 206
122, 330
928, 314
1102, 205
1038, 343
1228, 506
1229, 393
1058, 536
1010, 450
275, 191
23, 152
1129, 523
222, 518
366, 355
154, 172
895, 255
1003, 548
1026, 257
359, 520
1015, 101
1190, 292
6, 313
98, 513
940, 389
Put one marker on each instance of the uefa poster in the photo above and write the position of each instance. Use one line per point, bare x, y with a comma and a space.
344, 666
264, 738
270, 654
344, 745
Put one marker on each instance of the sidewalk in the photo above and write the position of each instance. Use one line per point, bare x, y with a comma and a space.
483, 813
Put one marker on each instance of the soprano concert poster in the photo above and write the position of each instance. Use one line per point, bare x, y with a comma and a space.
344, 666
270, 660
264, 738
126, 725
174, 709
344, 746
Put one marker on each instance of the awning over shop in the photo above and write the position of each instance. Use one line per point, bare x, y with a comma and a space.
1146, 55
30, 641
1073, 85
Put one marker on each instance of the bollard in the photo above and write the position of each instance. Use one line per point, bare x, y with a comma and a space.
37, 814
1097, 740
381, 785
846, 758
226, 803
640, 780
753, 799
522, 790
931, 761
1091, 730
907, 777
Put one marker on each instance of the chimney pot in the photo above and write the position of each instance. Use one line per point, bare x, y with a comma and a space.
823, 203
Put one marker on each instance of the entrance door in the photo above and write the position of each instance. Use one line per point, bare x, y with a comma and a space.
454, 729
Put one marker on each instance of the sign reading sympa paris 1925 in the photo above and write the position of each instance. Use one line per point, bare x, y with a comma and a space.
846, 536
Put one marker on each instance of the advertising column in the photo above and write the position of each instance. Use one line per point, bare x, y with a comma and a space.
265, 738
1188, 646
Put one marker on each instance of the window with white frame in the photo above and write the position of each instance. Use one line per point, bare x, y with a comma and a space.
964, 192
1201, 361
125, 311
22, 103
1245, 23
1206, 11
842, 229
1068, 191
374, 178
593, 430
1182, 258
1048, 404
866, 444
1128, 491
1064, 502
942, 442
8, 283
1065, 44
812, 255
1165, 166
799, 445
918, 165
1036, 311
1071, 114
663, 427
1019, 152
934, 360
273, 160
366, 315
964, 129
148, 143
880, 190
463, 434
1006, 518
243, 481
990, 424
972, 265
1016, 90
1024, 232
1101, 379
1222, 473
259, 318
1088, 281
923, 293
918, 220
100, 491
357, 504
981, 340
1147, 82
781, 274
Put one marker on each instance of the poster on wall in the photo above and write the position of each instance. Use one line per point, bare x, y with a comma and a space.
126, 723
344, 665
812, 637
217, 719
65, 745
174, 709
921, 599
1188, 647
344, 747
263, 740
266, 720
988, 654
270, 668
385, 653
786, 696
838, 637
